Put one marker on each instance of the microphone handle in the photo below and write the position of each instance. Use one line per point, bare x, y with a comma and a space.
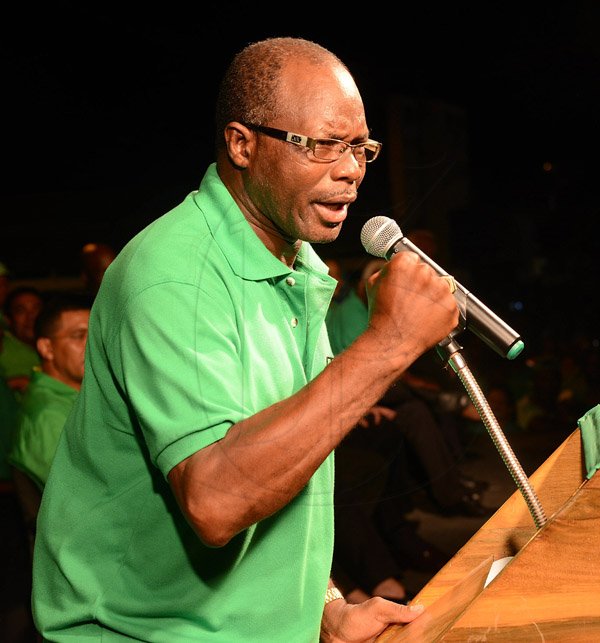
474, 314
492, 330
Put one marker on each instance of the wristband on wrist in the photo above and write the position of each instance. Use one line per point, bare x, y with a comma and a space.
332, 594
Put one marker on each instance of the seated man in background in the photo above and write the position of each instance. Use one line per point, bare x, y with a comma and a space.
17, 343
413, 425
61, 333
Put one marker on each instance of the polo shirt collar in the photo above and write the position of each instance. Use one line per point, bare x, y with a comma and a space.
51, 383
245, 252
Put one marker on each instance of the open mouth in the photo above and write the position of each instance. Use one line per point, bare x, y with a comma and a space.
333, 213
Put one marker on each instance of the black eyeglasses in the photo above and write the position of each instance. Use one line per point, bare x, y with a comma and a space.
324, 149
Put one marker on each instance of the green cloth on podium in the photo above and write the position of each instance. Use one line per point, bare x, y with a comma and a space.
589, 425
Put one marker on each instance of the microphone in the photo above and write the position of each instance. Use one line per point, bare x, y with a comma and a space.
382, 237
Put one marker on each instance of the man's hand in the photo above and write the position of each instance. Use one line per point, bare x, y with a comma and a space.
376, 415
18, 383
363, 622
411, 309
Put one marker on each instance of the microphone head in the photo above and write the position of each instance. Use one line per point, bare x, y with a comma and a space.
379, 234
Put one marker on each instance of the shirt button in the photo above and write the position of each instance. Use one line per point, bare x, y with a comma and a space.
294, 322
290, 281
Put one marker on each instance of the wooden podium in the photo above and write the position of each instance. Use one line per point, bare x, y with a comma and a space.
550, 588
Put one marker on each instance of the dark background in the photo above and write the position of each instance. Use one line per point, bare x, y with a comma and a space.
108, 123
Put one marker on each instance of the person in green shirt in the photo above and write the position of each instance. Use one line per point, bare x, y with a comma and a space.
191, 494
8, 423
411, 424
18, 355
61, 333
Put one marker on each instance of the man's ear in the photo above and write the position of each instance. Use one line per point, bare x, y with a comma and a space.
240, 142
44, 348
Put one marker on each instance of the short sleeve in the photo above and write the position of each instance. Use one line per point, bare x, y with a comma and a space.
181, 369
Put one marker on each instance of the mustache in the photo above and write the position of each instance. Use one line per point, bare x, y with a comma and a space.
332, 197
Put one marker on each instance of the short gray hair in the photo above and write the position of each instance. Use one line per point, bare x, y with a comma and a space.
248, 91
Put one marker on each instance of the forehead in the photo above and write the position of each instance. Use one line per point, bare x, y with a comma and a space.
73, 318
324, 96
25, 301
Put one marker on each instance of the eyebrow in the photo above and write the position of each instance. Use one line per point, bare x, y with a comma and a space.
356, 139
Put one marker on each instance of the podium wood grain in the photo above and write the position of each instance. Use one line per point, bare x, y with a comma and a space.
550, 590
435, 621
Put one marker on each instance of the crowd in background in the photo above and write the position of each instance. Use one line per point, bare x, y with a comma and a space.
384, 459
43, 335
547, 390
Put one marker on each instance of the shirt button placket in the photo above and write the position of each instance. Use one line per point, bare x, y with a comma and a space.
290, 281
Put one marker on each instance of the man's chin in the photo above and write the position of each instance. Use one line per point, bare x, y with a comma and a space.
327, 234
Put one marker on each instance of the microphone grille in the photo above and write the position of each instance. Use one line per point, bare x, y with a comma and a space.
379, 234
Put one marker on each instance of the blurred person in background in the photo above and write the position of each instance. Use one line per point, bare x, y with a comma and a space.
95, 259
18, 355
61, 334
4, 288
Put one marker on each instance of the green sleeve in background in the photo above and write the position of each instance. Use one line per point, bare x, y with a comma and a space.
589, 425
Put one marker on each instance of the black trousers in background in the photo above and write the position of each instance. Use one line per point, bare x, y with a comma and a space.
371, 502
16, 624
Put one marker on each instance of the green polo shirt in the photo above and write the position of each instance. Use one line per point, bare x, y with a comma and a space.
16, 357
196, 327
44, 409
8, 427
346, 321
